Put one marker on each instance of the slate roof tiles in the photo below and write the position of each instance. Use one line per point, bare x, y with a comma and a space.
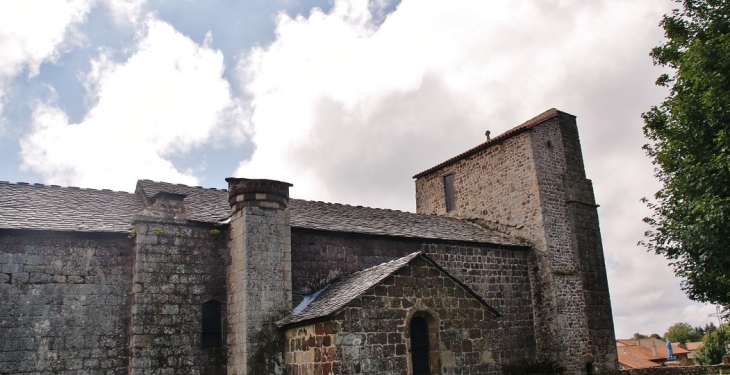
341, 291
38, 206
345, 218
210, 205
50, 207
201, 204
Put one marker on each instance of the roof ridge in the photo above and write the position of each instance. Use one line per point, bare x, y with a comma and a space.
381, 265
334, 285
53, 186
179, 184
363, 283
353, 206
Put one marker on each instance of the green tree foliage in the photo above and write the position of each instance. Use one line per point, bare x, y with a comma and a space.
700, 330
714, 346
655, 336
689, 136
638, 335
710, 327
682, 333
706, 329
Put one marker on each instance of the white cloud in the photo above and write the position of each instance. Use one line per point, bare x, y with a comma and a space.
126, 11
347, 110
503, 61
166, 99
33, 32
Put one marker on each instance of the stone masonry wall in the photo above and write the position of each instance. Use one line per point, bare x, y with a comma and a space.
499, 275
678, 370
565, 326
178, 267
259, 288
522, 186
310, 349
498, 186
587, 239
65, 303
371, 334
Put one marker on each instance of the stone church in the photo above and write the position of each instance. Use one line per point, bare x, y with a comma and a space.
501, 270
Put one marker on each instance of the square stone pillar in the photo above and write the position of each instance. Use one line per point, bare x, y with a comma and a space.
259, 274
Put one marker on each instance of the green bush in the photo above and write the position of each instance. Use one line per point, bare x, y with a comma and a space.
714, 346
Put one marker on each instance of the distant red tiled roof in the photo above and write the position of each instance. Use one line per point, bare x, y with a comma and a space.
550, 113
635, 357
693, 345
640, 352
661, 346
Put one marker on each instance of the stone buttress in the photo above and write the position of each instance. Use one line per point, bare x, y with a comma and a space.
178, 266
259, 274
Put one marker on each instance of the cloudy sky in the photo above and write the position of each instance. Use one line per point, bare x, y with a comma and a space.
347, 99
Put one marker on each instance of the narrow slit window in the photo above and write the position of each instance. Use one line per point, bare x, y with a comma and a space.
420, 346
449, 192
211, 330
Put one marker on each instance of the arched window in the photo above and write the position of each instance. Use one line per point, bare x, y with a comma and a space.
420, 346
211, 327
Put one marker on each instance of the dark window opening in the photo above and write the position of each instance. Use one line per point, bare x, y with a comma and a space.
211, 333
589, 368
419, 346
449, 190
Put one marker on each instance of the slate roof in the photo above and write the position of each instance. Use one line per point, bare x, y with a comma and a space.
50, 207
210, 205
201, 204
550, 113
345, 218
342, 291
57, 208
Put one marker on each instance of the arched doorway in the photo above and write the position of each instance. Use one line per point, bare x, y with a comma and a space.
420, 347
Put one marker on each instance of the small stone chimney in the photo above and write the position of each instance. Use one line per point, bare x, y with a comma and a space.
259, 273
166, 206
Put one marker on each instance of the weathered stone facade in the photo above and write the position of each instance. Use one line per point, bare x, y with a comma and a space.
65, 303
371, 334
107, 282
532, 184
259, 272
177, 268
500, 275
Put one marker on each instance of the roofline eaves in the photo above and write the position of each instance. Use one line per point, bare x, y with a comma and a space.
421, 240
